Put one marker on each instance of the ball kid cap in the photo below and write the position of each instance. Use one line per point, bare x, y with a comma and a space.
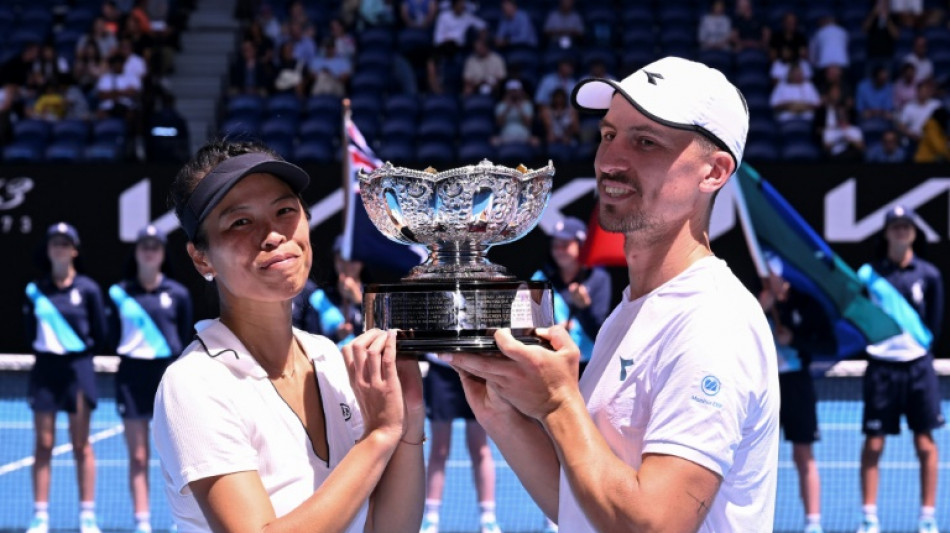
64, 229
677, 93
150, 232
898, 213
223, 177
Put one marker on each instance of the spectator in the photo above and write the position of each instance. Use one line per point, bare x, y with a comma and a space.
48, 66
106, 40
298, 18
905, 88
562, 78
748, 31
484, 69
561, 124
140, 15
118, 92
113, 17
875, 96
419, 14
835, 76
791, 36
344, 42
331, 71
303, 47
133, 64
268, 23
289, 77
843, 141
515, 27
829, 44
262, 42
914, 115
563, 26
452, 27
377, 12
514, 115
934, 145
882, 34
715, 28
826, 115
918, 57
886, 150
17, 95
51, 104
141, 45
908, 13
88, 66
795, 98
778, 72
248, 73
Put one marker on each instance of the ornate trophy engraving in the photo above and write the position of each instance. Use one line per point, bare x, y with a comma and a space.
457, 298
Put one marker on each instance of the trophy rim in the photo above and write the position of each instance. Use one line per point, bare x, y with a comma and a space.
388, 169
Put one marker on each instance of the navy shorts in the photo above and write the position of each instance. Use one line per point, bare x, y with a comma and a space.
444, 396
908, 388
798, 416
136, 383
57, 380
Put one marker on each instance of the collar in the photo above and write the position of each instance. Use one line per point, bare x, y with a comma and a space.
224, 346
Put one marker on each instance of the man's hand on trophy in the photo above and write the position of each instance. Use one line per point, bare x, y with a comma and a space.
534, 379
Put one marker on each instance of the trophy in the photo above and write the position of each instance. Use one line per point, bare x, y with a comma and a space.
457, 298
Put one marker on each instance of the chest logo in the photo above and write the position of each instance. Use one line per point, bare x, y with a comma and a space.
711, 385
347, 414
624, 365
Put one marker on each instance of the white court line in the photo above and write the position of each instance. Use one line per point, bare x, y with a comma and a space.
61, 449
28, 424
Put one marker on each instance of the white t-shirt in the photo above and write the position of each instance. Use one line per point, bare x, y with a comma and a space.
220, 414
690, 370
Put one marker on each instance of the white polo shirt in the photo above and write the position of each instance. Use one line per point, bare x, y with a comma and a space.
690, 370
220, 414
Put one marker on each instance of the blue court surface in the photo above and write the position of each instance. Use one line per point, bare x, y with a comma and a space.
838, 455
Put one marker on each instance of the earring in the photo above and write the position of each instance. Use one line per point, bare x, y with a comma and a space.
209, 277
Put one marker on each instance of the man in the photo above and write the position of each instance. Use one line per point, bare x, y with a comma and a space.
674, 426
900, 377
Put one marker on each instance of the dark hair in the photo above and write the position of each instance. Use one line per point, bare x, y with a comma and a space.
204, 160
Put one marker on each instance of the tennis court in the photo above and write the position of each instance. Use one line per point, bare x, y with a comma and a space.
837, 453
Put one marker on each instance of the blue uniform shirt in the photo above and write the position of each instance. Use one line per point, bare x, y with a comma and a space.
921, 285
65, 320
585, 323
153, 324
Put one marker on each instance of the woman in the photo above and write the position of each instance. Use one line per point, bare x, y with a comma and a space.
155, 319
258, 425
65, 321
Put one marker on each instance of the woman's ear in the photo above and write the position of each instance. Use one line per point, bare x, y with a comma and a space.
200, 261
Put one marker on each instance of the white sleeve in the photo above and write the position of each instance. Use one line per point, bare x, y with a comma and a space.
699, 397
198, 431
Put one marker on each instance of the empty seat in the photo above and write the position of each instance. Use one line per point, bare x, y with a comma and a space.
284, 104
240, 130
476, 128
398, 127
22, 152
101, 152
109, 130
279, 129
397, 151
436, 127
442, 105
760, 149
324, 105
32, 131
473, 151
71, 130
401, 105
315, 152
438, 153
800, 150
319, 129
516, 153
64, 152
372, 81
478, 105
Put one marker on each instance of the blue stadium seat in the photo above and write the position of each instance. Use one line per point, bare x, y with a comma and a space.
442, 104
379, 60
75, 130
79, 18
801, 151
240, 130
284, 104
109, 130
279, 129
22, 152
368, 126
678, 37
720, 60
245, 105
412, 40
473, 151
560, 152
318, 128
762, 127
366, 105
636, 14
64, 152
760, 149
516, 153
436, 127
101, 152
795, 128
478, 105
476, 128
551, 57
751, 59
604, 55
376, 38
32, 131
635, 58
670, 16
401, 105
371, 81
315, 152
325, 106
397, 151
439, 154
398, 128
283, 146
524, 58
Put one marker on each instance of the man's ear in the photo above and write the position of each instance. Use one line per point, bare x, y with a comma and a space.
200, 260
721, 168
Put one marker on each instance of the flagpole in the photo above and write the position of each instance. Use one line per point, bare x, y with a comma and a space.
748, 230
346, 250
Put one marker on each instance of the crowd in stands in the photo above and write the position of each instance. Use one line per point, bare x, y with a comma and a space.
442, 81
84, 79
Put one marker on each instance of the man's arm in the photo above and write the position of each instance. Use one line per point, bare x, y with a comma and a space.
667, 493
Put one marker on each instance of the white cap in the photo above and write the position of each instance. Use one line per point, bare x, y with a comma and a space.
681, 94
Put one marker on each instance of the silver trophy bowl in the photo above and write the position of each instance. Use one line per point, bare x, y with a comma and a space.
458, 214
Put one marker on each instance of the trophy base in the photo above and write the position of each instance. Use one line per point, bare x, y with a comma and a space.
458, 316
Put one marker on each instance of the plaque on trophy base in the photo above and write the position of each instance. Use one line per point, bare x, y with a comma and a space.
457, 298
